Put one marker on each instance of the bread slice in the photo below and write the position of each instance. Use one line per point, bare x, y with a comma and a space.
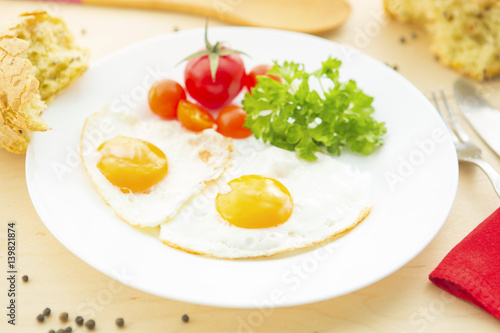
38, 58
465, 33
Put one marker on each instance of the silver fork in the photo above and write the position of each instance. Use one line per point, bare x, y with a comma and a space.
466, 150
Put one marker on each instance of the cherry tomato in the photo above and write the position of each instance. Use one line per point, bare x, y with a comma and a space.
228, 82
163, 97
194, 117
230, 122
251, 78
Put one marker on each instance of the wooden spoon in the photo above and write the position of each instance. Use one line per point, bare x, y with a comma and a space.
309, 16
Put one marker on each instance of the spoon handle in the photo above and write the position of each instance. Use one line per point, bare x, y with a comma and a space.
312, 16
208, 8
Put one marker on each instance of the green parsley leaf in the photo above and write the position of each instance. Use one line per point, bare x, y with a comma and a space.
289, 115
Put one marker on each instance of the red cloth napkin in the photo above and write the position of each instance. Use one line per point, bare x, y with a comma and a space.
471, 271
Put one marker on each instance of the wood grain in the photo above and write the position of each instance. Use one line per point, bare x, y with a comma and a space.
403, 302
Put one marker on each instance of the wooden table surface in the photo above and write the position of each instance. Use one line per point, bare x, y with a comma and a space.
403, 302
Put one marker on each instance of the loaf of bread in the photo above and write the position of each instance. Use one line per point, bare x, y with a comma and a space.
38, 58
465, 33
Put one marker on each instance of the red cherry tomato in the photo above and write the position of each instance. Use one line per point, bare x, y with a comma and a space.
228, 82
193, 117
230, 122
163, 97
251, 78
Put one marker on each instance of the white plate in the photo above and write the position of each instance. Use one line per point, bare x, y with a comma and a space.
414, 179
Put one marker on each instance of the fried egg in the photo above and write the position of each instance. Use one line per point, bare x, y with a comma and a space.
146, 169
269, 201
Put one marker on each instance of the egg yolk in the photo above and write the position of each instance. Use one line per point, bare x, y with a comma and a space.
255, 202
132, 164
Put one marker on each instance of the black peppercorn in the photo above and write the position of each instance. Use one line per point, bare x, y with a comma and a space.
120, 322
40, 318
46, 312
63, 317
185, 318
79, 320
90, 324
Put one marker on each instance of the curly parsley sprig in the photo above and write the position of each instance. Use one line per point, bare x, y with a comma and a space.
289, 115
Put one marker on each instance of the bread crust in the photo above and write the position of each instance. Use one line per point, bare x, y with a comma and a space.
18, 91
21, 101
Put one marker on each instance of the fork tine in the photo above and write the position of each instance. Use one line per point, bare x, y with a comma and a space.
452, 133
454, 122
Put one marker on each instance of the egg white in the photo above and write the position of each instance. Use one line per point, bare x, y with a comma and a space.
328, 199
194, 159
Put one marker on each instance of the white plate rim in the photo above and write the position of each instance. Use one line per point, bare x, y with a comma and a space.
44, 216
